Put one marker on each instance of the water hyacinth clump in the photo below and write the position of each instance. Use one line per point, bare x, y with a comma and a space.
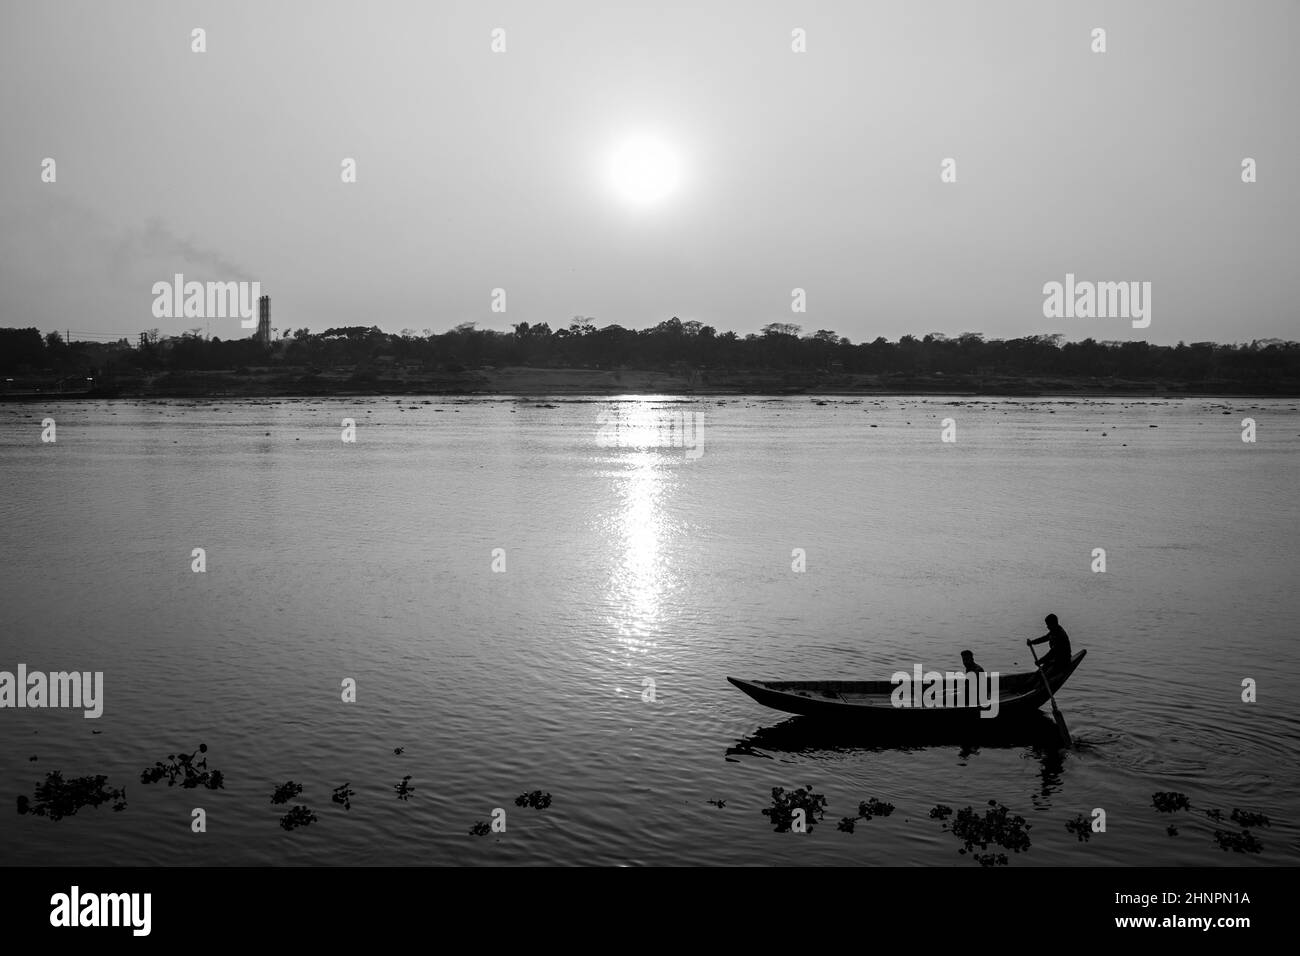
535, 799
286, 792
57, 798
847, 824
191, 772
405, 788
1247, 818
997, 826
781, 812
1243, 842
1080, 827
298, 816
480, 829
874, 808
1168, 801
343, 795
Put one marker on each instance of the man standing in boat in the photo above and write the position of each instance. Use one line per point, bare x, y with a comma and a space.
1058, 641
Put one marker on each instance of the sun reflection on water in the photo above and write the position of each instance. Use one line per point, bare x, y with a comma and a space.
639, 437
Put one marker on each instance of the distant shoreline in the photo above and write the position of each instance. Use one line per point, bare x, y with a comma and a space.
528, 382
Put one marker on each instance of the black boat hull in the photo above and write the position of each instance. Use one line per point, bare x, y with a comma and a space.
1020, 695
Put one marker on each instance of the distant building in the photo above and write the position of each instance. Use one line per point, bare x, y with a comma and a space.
263, 334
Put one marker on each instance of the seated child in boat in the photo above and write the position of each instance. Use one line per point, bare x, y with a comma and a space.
968, 659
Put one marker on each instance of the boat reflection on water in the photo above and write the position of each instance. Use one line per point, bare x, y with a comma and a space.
1036, 734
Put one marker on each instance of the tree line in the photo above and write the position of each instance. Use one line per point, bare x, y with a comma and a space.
670, 345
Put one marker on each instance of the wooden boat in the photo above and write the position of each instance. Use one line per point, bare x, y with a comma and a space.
1018, 695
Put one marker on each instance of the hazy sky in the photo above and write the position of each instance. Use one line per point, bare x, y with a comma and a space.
819, 170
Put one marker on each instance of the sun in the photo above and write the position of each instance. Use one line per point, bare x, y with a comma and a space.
645, 169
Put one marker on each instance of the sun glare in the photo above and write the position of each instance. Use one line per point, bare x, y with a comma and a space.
645, 169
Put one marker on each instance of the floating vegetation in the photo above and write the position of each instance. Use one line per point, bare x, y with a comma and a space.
404, 789
192, 773
1080, 827
874, 808
941, 812
344, 795
1239, 842
480, 829
1243, 842
1167, 801
397, 751
299, 816
718, 803
997, 826
847, 824
1247, 818
535, 799
57, 798
286, 792
784, 805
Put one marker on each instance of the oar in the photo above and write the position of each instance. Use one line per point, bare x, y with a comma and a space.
1060, 721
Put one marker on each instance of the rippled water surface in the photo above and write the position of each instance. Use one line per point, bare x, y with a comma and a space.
644, 539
